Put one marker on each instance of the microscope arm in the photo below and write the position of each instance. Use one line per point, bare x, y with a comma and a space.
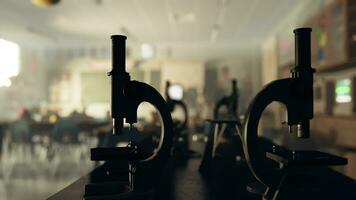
275, 91
172, 104
230, 102
222, 102
138, 92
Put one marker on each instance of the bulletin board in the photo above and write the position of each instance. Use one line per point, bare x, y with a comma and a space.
329, 38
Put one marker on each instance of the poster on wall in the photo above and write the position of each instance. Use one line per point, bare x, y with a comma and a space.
343, 91
329, 36
285, 46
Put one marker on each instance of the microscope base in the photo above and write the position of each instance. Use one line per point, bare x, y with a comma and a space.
106, 188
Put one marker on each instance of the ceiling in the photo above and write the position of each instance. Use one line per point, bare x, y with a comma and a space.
184, 28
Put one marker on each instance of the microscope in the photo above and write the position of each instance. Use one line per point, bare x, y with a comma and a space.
296, 93
229, 102
224, 127
181, 136
172, 105
143, 169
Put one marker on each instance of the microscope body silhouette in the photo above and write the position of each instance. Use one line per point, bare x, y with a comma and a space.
181, 147
143, 168
296, 93
231, 103
224, 127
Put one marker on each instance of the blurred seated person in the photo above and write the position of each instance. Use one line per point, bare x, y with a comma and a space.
20, 129
80, 116
66, 130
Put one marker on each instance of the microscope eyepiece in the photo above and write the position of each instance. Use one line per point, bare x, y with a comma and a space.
118, 37
234, 82
118, 53
302, 47
168, 83
302, 29
119, 80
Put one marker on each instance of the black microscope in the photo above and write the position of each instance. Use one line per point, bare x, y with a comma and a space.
225, 127
230, 103
296, 93
180, 127
129, 172
126, 96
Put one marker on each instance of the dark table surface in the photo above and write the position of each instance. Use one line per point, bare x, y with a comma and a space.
228, 180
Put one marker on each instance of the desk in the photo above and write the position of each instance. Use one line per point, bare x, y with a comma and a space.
229, 180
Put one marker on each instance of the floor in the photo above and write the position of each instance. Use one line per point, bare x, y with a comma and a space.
36, 172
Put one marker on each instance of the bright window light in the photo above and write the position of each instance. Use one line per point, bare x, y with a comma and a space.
5, 82
175, 92
9, 62
147, 51
343, 91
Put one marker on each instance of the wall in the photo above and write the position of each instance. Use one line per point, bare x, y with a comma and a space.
71, 91
269, 63
244, 67
190, 74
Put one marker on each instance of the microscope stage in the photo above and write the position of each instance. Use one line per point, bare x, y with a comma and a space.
305, 158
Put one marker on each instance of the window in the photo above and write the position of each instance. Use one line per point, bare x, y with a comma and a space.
343, 91
9, 62
175, 92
